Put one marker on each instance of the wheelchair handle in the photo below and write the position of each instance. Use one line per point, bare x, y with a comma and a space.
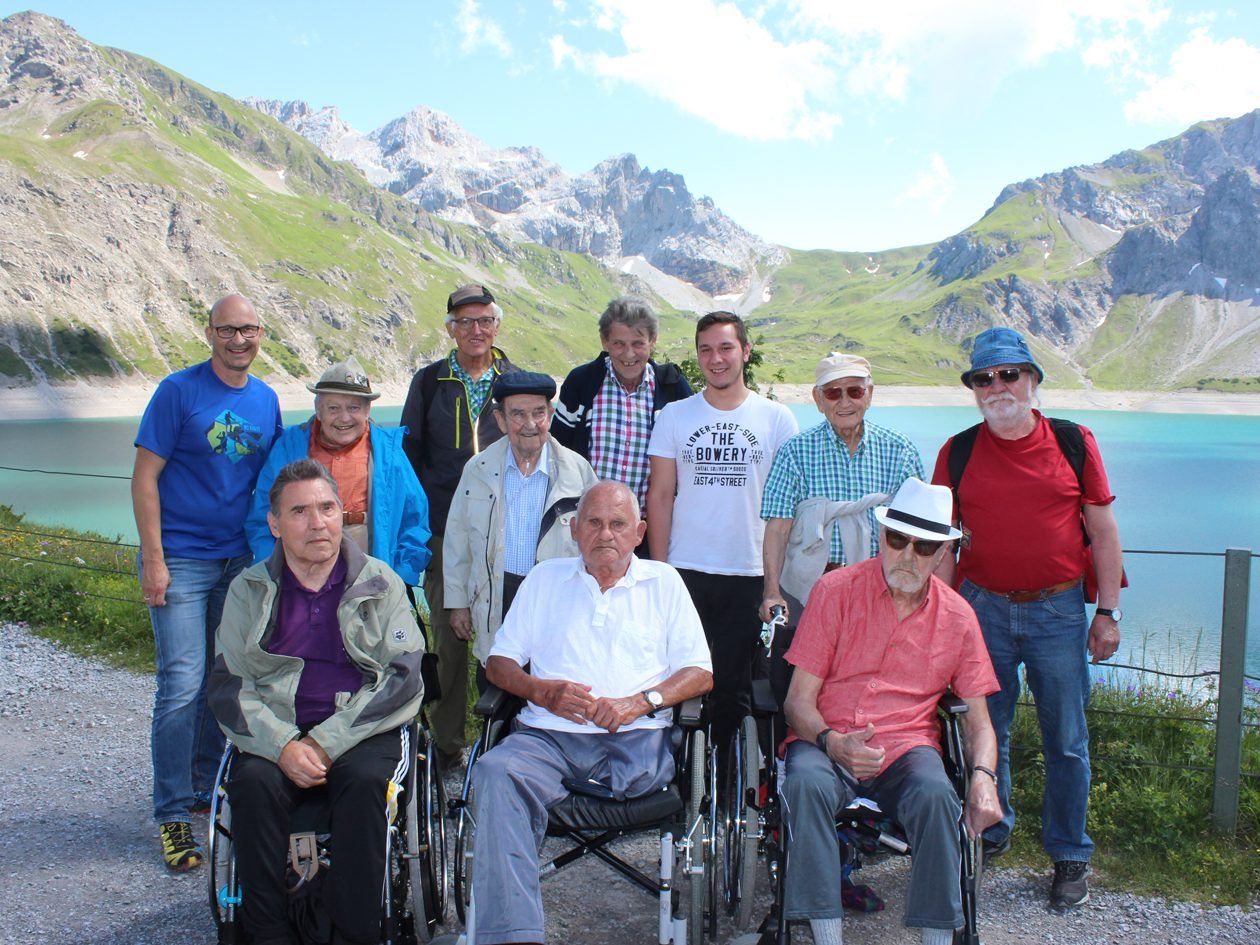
778, 618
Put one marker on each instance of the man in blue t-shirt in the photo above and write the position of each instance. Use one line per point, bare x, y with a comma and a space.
202, 441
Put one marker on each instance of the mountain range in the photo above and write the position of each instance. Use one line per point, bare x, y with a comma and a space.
131, 197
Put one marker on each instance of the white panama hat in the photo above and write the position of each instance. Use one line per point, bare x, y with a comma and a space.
921, 511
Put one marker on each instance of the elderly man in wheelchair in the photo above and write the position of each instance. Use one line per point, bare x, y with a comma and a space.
877, 646
317, 668
610, 640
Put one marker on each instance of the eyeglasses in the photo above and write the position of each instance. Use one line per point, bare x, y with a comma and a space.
1009, 375
922, 547
856, 392
466, 324
248, 332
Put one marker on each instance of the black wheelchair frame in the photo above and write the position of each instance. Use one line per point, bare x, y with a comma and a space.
685, 813
413, 897
756, 824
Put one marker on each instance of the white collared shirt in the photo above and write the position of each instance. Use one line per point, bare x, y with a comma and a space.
620, 642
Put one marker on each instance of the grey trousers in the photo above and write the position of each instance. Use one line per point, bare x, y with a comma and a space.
915, 791
515, 784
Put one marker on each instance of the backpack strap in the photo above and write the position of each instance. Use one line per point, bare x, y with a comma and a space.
960, 448
1072, 443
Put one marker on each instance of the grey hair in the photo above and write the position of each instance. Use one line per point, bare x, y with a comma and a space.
494, 307
300, 470
620, 487
631, 311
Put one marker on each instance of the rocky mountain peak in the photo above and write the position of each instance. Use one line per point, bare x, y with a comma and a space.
618, 209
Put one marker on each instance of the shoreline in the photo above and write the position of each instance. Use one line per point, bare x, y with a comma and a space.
102, 401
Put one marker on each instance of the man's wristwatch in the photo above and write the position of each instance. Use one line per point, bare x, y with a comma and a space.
655, 700
983, 770
1115, 613
821, 740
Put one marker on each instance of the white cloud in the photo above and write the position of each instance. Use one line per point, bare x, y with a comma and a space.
715, 62
934, 186
561, 51
1206, 78
477, 30
306, 39
966, 47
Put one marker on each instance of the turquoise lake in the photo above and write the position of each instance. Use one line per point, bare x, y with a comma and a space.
1183, 483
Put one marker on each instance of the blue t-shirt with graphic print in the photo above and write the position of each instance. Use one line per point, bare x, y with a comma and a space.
214, 439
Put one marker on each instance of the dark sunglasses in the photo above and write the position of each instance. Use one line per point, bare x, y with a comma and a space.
856, 392
1009, 375
922, 547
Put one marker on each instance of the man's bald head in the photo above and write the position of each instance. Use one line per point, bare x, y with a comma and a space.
612, 490
231, 306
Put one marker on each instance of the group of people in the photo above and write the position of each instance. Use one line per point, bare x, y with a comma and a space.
277, 565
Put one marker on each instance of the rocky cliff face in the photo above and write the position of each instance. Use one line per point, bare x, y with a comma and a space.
617, 209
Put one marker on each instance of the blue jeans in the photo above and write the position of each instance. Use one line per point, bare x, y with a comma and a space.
1049, 637
187, 743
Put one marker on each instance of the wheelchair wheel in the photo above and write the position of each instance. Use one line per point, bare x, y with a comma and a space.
701, 852
742, 822
221, 852
426, 843
466, 827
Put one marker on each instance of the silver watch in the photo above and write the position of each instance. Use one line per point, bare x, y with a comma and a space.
655, 700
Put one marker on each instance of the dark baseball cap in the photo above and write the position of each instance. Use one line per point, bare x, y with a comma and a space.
467, 295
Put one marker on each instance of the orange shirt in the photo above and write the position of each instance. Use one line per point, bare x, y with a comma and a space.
883, 671
348, 465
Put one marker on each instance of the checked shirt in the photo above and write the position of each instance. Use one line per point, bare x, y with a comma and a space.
621, 425
817, 463
478, 390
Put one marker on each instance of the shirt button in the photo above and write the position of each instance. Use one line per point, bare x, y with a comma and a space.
874, 684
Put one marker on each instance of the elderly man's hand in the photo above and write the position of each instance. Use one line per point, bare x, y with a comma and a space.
614, 713
859, 759
461, 622
569, 700
1104, 638
772, 600
983, 807
301, 762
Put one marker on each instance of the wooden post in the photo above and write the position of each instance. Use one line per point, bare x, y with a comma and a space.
1229, 703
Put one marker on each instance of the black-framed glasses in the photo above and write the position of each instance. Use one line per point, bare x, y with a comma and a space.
485, 323
855, 392
248, 332
1008, 375
922, 547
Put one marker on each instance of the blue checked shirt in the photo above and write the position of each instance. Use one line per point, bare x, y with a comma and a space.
621, 426
478, 390
817, 463
523, 499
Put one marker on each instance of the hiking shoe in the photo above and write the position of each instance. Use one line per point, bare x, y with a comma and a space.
995, 848
201, 802
179, 849
1070, 887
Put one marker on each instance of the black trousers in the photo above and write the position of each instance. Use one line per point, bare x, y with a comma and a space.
263, 799
727, 604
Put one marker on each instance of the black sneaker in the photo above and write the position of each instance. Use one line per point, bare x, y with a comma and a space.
995, 848
1070, 887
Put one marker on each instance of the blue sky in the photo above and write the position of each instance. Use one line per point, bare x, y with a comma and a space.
813, 123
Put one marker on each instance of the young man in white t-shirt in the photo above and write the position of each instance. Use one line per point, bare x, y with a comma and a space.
710, 455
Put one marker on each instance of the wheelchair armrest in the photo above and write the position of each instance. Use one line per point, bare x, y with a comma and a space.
491, 701
687, 714
950, 704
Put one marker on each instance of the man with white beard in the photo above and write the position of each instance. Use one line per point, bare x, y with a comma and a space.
1039, 541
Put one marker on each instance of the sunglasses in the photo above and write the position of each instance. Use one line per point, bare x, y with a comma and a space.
856, 392
1008, 375
922, 547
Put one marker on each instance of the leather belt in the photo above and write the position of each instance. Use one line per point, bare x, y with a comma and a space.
353, 518
1025, 597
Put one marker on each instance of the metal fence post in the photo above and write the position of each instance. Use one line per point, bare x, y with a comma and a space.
1229, 700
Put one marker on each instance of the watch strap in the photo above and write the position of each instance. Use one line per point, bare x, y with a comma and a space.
821, 739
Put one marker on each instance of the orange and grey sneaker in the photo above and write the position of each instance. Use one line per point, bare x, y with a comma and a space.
179, 849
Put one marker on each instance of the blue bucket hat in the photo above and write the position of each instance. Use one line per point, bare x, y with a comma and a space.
1000, 346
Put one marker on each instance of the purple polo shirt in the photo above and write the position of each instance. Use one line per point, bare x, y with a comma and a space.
307, 627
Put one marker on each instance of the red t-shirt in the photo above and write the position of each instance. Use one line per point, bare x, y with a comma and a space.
1021, 509
888, 672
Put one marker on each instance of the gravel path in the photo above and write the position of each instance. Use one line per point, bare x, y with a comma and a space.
79, 858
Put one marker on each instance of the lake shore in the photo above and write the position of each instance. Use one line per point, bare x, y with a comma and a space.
88, 401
